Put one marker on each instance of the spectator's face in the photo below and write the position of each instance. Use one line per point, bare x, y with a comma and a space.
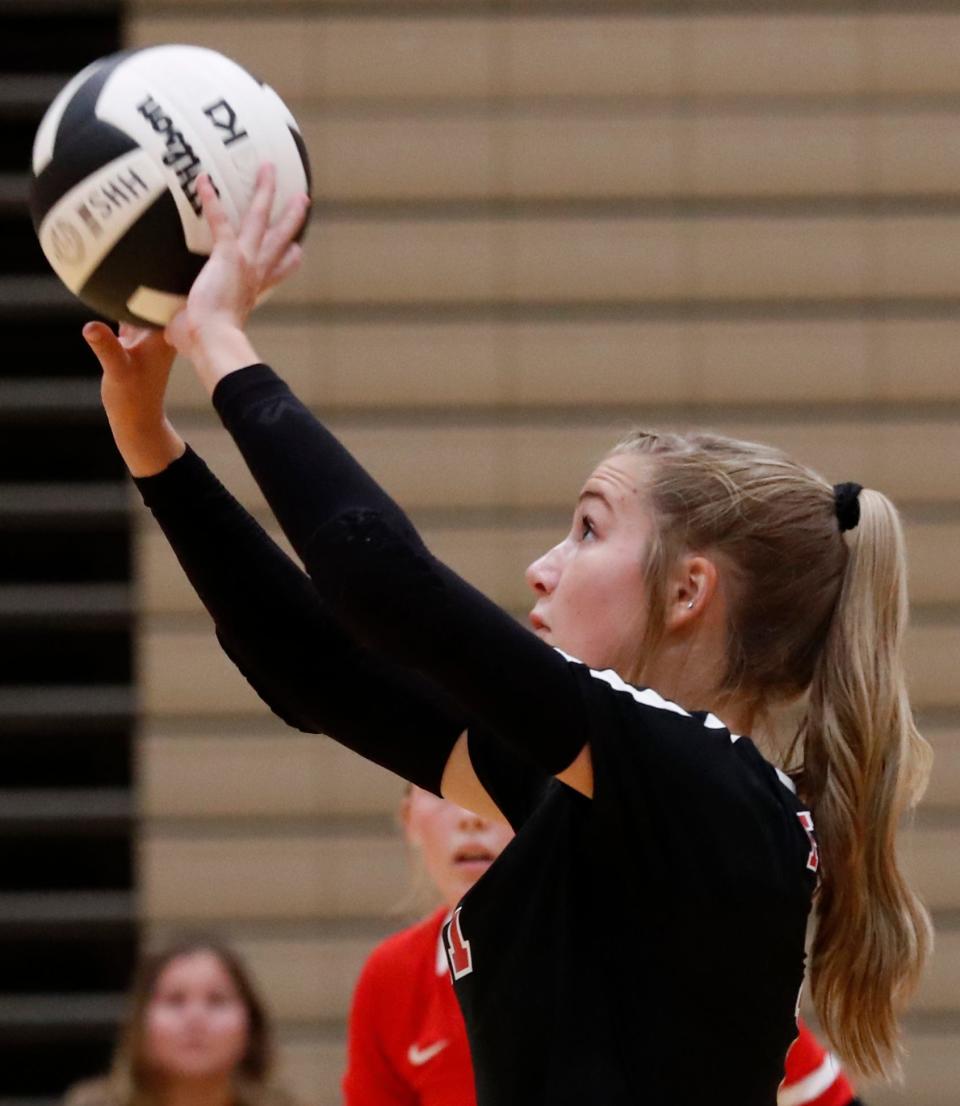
196, 1021
457, 846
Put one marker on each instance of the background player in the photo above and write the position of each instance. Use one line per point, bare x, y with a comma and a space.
406, 1041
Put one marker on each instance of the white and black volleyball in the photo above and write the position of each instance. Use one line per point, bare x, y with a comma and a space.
115, 166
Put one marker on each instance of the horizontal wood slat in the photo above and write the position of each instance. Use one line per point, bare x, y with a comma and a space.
200, 776
318, 55
183, 672
652, 259
542, 464
250, 877
587, 364
493, 558
274, 772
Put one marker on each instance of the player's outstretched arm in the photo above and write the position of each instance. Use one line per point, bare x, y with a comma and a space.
269, 618
362, 553
273, 626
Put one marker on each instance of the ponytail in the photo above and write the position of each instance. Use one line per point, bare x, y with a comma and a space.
864, 764
818, 611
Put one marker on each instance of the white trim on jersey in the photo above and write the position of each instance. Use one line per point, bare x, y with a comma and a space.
651, 698
785, 780
647, 695
811, 1086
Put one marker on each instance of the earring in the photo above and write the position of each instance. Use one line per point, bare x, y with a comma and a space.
690, 605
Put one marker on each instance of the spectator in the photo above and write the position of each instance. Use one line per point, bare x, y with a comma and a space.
196, 1034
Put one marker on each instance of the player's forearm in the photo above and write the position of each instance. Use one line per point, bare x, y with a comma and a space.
305, 474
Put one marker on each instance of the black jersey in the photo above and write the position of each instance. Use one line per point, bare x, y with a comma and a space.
646, 945
657, 927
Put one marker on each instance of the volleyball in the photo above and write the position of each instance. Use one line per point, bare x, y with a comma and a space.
115, 164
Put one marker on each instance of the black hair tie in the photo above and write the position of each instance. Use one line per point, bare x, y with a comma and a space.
847, 504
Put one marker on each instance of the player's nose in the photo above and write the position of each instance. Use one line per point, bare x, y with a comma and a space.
470, 822
543, 573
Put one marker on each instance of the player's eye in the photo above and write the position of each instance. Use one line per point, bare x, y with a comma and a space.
586, 527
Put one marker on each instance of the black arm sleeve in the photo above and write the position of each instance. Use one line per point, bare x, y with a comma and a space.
369, 564
274, 627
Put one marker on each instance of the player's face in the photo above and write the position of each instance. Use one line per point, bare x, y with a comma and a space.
457, 846
591, 596
196, 1020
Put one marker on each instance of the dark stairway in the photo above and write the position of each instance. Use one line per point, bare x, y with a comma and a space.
67, 922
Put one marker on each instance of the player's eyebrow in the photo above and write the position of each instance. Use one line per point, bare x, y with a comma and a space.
592, 493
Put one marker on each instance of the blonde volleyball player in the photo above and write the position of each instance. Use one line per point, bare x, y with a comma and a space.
650, 915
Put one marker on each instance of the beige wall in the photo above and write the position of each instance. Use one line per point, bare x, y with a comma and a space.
534, 229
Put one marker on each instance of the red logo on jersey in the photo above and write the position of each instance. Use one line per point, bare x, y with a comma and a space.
806, 820
458, 949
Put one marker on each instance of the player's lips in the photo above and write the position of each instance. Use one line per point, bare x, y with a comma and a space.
537, 622
470, 855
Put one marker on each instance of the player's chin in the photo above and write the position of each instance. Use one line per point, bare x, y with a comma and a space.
469, 871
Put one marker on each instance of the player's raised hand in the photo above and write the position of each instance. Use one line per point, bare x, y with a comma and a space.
244, 264
136, 367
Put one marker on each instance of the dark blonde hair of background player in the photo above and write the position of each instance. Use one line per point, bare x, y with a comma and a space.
235, 1070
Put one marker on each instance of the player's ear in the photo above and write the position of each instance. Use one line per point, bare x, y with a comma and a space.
693, 587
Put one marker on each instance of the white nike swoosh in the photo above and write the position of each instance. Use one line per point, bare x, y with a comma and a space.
419, 1056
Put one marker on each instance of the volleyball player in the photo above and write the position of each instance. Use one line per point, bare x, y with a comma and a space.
406, 1041
650, 914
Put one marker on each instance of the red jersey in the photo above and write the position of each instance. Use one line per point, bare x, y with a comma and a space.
406, 1041
813, 1077
407, 1044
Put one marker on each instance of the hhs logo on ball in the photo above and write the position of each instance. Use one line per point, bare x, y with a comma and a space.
91, 218
66, 243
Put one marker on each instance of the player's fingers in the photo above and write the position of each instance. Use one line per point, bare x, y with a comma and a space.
285, 267
213, 211
106, 347
257, 218
278, 238
131, 336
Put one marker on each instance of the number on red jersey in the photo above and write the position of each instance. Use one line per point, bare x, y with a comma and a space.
458, 949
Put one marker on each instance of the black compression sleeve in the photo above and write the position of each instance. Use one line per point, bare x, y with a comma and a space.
272, 624
369, 564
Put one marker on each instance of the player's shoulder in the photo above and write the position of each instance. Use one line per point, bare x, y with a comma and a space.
403, 952
646, 703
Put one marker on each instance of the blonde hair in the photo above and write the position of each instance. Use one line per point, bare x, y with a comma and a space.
130, 1081
823, 613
